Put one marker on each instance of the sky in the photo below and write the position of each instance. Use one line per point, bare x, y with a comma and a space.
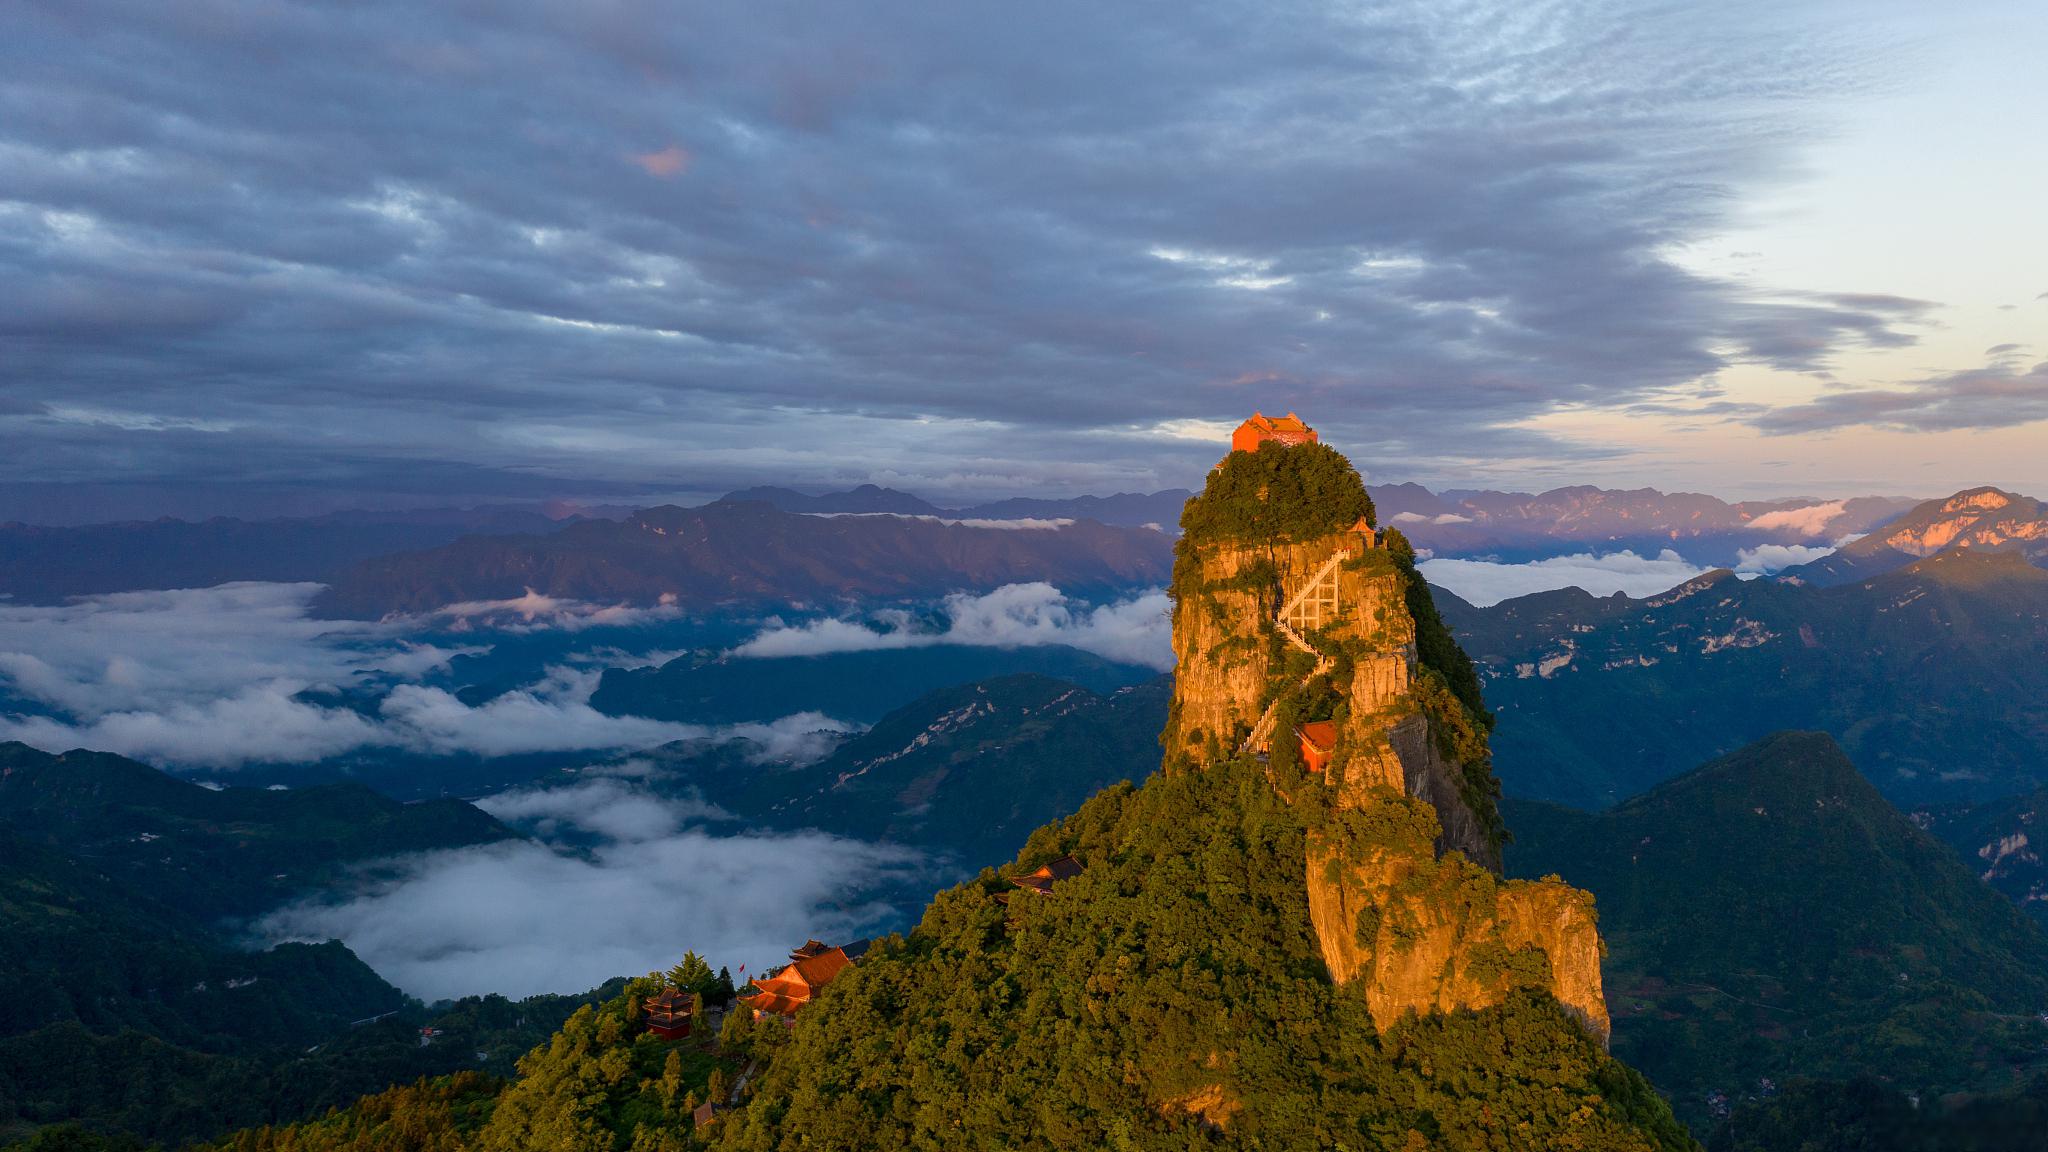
265, 256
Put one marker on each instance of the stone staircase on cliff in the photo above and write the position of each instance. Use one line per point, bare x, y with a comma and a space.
1312, 607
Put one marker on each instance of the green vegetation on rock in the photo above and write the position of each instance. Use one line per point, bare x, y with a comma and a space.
1277, 494
1173, 994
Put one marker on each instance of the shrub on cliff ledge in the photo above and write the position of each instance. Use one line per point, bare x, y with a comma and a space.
1278, 494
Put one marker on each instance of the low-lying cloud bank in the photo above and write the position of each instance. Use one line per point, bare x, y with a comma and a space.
1484, 582
535, 612
1134, 631
1487, 582
1768, 558
1812, 520
239, 674
526, 917
1014, 524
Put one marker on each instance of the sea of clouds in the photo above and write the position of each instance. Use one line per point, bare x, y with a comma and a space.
213, 678
558, 914
618, 876
1137, 630
1487, 582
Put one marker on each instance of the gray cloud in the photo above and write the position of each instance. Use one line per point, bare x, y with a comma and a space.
2002, 394
1135, 631
1485, 582
526, 917
268, 244
213, 678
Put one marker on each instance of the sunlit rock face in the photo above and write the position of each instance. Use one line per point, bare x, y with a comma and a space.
1402, 873
1228, 652
1978, 518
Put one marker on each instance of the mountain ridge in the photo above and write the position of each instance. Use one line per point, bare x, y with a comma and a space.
1984, 518
1769, 914
1607, 696
749, 553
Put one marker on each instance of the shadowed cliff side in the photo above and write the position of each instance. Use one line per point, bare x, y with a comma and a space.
1293, 614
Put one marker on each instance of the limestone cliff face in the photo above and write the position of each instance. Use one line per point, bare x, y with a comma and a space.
1230, 655
1402, 876
1427, 934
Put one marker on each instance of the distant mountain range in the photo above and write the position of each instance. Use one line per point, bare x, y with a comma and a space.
860, 687
1461, 522
1519, 526
1125, 509
1934, 676
751, 553
215, 855
43, 565
1769, 915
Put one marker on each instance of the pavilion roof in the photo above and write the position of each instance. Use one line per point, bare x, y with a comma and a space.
1046, 875
818, 971
773, 1004
670, 999
1318, 734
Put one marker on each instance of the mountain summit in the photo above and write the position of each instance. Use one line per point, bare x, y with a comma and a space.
1980, 519
1304, 636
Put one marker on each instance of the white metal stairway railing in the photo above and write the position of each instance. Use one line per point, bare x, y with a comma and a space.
1319, 591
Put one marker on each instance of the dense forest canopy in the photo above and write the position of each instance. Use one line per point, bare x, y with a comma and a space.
1277, 494
1170, 996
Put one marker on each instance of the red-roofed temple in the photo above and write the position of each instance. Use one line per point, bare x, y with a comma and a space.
668, 1014
782, 992
1287, 430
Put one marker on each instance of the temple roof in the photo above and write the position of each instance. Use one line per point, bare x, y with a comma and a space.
1287, 423
1045, 876
772, 1004
812, 967
818, 971
1318, 734
670, 999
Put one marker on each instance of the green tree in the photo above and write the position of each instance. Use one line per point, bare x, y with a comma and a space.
716, 1090
736, 1034
671, 1078
692, 975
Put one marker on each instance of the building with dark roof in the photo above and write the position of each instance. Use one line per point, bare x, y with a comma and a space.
1047, 875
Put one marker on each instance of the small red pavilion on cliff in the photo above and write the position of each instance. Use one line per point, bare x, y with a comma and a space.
1318, 741
668, 1014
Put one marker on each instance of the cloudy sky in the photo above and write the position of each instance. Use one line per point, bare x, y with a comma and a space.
613, 249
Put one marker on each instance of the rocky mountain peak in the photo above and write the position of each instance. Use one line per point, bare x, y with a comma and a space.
1306, 639
1977, 498
1978, 518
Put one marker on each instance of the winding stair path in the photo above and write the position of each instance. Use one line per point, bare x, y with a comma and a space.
1262, 732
